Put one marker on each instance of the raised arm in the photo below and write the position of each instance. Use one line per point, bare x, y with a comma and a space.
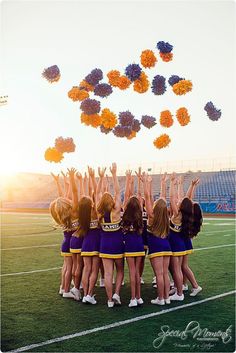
67, 188
113, 170
75, 200
101, 172
180, 183
107, 184
81, 185
57, 181
139, 193
192, 188
164, 179
127, 185
91, 173
173, 198
148, 202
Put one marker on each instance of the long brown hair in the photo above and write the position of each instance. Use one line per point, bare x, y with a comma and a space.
160, 224
84, 215
132, 218
186, 209
105, 205
60, 210
197, 220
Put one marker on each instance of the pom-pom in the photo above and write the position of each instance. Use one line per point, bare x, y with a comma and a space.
148, 121
86, 86
132, 135
123, 83
105, 130
182, 116
162, 141
108, 119
164, 47
94, 77
141, 85
53, 155
213, 113
93, 120
126, 118
166, 56
174, 79
77, 94
182, 87
148, 58
122, 131
133, 72
64, 144
103, 90
166, 119
159, 85
52, 73
113, 77
90, 106
136, 126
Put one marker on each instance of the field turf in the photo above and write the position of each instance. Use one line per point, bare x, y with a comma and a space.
33, 312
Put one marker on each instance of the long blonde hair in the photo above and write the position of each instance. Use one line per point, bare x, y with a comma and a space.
84, 215
160, 223
60, 210
106, 204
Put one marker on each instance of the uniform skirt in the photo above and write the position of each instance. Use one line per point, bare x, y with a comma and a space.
158, 246
188, 245
111, 245
91, 243
65, 246
177, 243
76, 244
133, 245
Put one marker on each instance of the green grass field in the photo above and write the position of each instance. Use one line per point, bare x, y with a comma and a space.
33, 312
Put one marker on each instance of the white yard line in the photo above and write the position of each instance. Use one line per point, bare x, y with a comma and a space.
215, 247
216, 231
31, 247
117, 324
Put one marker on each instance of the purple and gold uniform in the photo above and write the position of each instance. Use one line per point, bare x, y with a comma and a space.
188, 245
75, 241
91, 243
144, 235
133, 243
65, 246
157, 246
111, 245
176, 240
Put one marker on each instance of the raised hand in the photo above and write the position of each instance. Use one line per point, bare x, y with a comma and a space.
79, 176
91, 172
128, 172
101, 172
55, 177
71, 172
113, 169
195, 182
64, 175
180, 179
149, 178
173, 177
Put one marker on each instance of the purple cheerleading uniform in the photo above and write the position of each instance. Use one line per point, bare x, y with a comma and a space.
133, 244
157, 246
91, 243
112, 244
188, 245
65, 246
176, 240
75, 241
145, 234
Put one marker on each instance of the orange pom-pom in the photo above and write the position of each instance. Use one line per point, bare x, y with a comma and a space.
182, 87
166, 119
182, 116
86, 86
162, 141
108, 119
148, 58
53, 155
77, 94
123, 82
113, 77
166, 56
141, 84
93, 120
132, 135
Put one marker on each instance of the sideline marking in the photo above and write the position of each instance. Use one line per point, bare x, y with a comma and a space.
117, 324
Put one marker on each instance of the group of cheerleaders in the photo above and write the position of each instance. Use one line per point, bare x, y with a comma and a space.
100, 232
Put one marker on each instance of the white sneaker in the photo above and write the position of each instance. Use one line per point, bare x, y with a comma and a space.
90, 299
167, 301
185, 287
76, 293
132, 303
158, 301
68, 295
116, 299
84, 300
172, 291
154, 280
61, 291
195, 291
110, 304
102, 283
141, 280
154, 286
140, 301
177, 297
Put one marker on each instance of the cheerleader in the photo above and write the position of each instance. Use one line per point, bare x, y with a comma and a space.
159, 250
91, 246
111, 246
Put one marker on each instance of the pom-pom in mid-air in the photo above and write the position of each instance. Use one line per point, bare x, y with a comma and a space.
166, 119
182, 87
162, 141
148, 121
103, 90
53, 155
65, 144
52, 74
141, 85
90, 106
213, 113
159, 85
148, 58
94, 77
77, 94
165, 49
182, 116
133, 72
108, 119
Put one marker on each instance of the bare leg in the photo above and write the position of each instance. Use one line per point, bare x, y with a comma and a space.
63, 273
68, 273
119, 263
102, 270
86, 273
94, 274
132, 275
138, 261
157, 265
79, 271
188, 273
108, 275
74, 266
177, 273
166, 261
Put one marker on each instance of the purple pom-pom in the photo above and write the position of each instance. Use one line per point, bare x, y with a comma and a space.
164, 47
104, 130
51, 72
90, 106
102, 90
213, 113
133, 72
94, 77
158, 85
136, 125
126, 118
122, 131
174, 79
148, 121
